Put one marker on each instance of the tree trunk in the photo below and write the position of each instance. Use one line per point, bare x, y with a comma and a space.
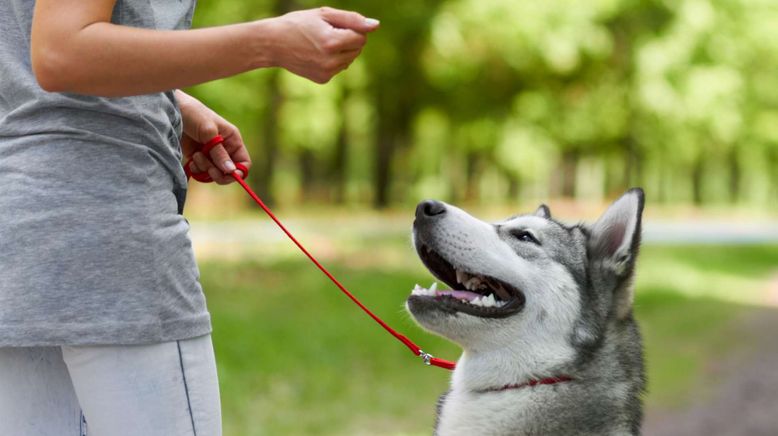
734, 175
664, 172
697, 180
394, 124
569, 171
339, 164
631, 163
513, 187
772, 171
307, 161
472, 173
385, 145
262, 179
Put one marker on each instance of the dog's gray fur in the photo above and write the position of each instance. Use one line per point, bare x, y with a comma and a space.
576, 320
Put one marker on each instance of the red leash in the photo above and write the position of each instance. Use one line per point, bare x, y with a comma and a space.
204, 177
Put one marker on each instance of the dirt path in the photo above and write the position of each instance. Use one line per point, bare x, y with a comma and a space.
744, 398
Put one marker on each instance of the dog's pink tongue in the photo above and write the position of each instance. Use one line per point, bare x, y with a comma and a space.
459, 295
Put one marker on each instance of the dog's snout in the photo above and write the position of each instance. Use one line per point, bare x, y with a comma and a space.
430, 208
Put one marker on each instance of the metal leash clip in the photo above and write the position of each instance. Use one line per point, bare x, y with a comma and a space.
426, 357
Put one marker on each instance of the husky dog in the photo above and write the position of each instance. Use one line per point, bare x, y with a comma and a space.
543, 312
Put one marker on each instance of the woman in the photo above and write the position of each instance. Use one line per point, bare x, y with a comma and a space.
103, 323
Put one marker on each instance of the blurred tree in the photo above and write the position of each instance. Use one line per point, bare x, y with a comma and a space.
396, 81
252, 100
467, 100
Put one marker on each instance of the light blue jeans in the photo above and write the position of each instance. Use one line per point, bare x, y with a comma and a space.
167, 389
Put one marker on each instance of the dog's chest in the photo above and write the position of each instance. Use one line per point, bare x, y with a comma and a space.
494, 413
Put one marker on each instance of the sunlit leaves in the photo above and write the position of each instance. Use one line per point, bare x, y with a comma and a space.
481, 93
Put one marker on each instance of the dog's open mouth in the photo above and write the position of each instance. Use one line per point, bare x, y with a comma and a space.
474, 294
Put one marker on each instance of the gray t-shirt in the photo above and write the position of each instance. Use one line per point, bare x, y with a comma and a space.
93, 248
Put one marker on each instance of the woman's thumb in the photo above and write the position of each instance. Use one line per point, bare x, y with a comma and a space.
349, 20
222, 160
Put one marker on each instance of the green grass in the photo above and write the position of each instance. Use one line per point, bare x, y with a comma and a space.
297, 358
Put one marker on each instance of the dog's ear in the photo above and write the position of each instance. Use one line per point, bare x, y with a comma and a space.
543, 211
614, 243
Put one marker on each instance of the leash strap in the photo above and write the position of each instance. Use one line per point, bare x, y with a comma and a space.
426, 357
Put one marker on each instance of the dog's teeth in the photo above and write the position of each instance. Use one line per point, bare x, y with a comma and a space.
475, 283
461, 276
489, 301
424, 292
433, 287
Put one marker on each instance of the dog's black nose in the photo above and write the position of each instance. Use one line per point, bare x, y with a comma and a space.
429, 208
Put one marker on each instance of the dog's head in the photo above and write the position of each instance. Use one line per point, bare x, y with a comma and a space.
526, 280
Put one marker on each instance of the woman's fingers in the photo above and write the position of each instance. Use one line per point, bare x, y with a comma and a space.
220, 162
322, 42
348, 20
236, 148
201, 125
204, 164
221, 159
348, 56
200, 164
347, 40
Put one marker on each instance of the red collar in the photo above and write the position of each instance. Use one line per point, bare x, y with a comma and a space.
530, 383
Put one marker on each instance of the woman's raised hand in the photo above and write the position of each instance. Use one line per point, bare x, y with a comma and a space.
319, 43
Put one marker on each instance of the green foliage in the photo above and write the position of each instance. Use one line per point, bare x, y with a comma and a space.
469, 99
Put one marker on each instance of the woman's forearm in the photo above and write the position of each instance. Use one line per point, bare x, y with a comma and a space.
111, 60
76, 48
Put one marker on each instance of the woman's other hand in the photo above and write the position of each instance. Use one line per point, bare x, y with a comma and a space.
201, 124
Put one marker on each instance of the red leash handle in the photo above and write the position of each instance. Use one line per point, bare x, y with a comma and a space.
204, 177
428, 358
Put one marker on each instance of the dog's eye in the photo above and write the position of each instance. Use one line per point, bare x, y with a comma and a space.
525, 236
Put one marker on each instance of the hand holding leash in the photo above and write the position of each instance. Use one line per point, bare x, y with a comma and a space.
240, 170
217, 158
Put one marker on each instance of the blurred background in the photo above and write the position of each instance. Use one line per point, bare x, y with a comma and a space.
496, 106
